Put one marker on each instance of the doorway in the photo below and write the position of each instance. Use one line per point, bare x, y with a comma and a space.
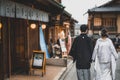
18, 40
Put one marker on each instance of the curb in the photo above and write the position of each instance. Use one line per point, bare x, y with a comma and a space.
60, 74
65, 72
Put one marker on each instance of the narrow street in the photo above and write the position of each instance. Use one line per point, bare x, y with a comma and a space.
71, 73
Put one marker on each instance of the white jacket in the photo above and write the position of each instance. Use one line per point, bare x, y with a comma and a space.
104, 52
104, 49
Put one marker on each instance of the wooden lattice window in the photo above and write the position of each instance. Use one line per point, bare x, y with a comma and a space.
97, 22
109, 22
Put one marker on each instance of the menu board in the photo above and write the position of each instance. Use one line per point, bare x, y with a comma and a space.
62, 44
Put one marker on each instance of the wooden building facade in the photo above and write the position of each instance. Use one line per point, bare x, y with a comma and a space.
17, 38
106, 15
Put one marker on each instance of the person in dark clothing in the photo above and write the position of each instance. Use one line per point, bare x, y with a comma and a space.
116, 41
81, 51
51, 48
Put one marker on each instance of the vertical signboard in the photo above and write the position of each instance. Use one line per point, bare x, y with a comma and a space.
42, 43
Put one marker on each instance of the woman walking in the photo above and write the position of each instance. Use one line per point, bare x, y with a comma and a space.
105, 57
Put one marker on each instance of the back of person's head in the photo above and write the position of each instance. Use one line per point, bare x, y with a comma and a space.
104, 32
83, 28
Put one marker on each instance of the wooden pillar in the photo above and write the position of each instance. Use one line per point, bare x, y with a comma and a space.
92, 23
1, 51
9, 49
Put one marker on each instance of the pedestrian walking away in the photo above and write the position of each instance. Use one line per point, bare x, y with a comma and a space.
81, 51
116, 41
104, 56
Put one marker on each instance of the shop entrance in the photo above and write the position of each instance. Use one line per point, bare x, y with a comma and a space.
18, 40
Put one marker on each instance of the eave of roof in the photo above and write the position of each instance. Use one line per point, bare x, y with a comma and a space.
74, 20
67, 13
105, 9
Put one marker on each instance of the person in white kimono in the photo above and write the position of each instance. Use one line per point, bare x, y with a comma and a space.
104, 56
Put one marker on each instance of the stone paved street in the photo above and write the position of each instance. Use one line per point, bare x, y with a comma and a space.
71, 74
118, 68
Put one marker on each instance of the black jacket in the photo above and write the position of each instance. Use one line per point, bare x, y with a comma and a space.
81, 51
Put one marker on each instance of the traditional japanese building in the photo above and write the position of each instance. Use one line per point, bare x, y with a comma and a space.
106, 15
20, 21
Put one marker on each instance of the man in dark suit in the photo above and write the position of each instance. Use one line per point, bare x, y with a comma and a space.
81, 51
116, 41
